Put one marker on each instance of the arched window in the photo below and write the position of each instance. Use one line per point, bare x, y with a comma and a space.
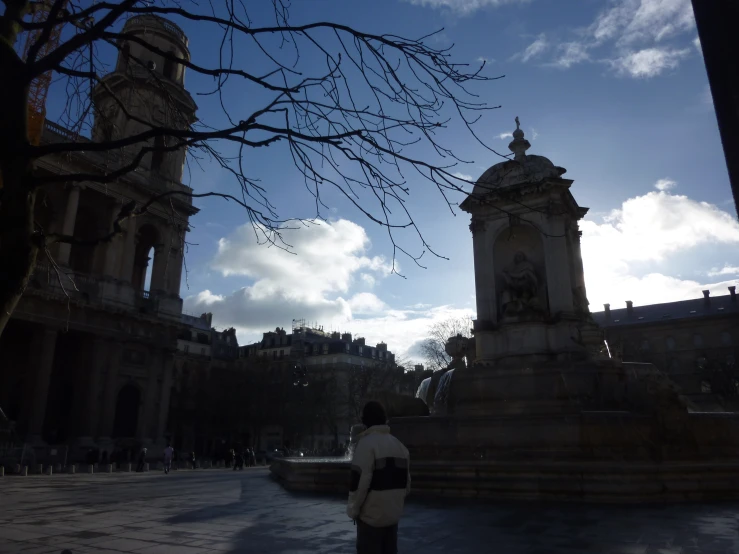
670, 343
143, 263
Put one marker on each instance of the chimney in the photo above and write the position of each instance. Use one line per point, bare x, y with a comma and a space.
706, 296
381, 347
346, 337
608, 310
359, 341
418, 368
732, 292
629, 307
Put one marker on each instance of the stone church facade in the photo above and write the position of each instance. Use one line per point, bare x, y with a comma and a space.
87, 359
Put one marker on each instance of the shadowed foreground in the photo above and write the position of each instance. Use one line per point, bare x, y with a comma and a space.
223, 511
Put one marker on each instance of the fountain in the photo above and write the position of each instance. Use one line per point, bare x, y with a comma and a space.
543, 411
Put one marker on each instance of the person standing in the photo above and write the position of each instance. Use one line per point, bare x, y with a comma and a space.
142, 461
380, 481
168, 455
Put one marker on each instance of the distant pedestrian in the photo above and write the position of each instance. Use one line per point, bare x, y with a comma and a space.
168, 455
252, 457
142, 461
192, 459
239, 460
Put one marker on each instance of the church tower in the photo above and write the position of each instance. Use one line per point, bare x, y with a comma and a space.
150, 82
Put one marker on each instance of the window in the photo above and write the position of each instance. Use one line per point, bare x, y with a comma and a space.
705, 387
274, 354
670, 343
202, 351
372, 352
335, 359
698, 340
360, 350
726, 338
187, 348
348, 347
282, 354
325, 348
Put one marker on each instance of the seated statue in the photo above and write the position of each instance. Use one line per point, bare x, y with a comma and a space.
520, 294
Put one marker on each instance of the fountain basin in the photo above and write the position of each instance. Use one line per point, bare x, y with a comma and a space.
593, 457
329, 475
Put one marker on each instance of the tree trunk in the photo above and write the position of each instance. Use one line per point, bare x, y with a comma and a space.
17, 195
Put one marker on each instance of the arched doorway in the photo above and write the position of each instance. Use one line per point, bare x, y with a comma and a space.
127, 411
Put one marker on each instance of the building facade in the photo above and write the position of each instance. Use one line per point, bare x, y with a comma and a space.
696, 342
88, 358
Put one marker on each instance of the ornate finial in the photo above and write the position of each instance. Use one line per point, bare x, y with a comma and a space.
519, 144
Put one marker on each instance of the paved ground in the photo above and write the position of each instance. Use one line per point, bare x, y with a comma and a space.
222, 511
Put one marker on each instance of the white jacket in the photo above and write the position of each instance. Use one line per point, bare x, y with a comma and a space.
380, 478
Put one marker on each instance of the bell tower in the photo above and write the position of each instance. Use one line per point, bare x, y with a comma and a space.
150, 82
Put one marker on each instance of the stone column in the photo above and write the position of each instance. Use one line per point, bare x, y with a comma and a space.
164, 397
559, 283
160, 267
175, 271
114, 249
105, 428
147, 423
125, 272
70, 218
42, 361
100, 356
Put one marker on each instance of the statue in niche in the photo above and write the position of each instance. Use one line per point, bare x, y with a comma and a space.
520, 294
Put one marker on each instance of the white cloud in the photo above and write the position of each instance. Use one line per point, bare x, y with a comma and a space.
726, 270
706, 96
533, 50
310, 284
649, 62
534, 134
571, 53
486, 61
366, 303
503, 136
367, 279
464, 176
638, 38
665, 184
631, 21
464, 7
646, 231
697, 44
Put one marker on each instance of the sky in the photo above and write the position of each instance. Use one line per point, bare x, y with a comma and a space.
614, 91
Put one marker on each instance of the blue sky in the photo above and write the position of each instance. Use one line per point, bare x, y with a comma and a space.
614, 91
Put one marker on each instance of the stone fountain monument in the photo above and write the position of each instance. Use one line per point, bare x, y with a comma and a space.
543, 411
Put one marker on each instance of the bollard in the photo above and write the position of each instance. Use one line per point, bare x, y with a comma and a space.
109, 468
49, 470
72, 469
90, 468
24, 471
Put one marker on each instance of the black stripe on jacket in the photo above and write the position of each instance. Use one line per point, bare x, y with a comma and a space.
389, 474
